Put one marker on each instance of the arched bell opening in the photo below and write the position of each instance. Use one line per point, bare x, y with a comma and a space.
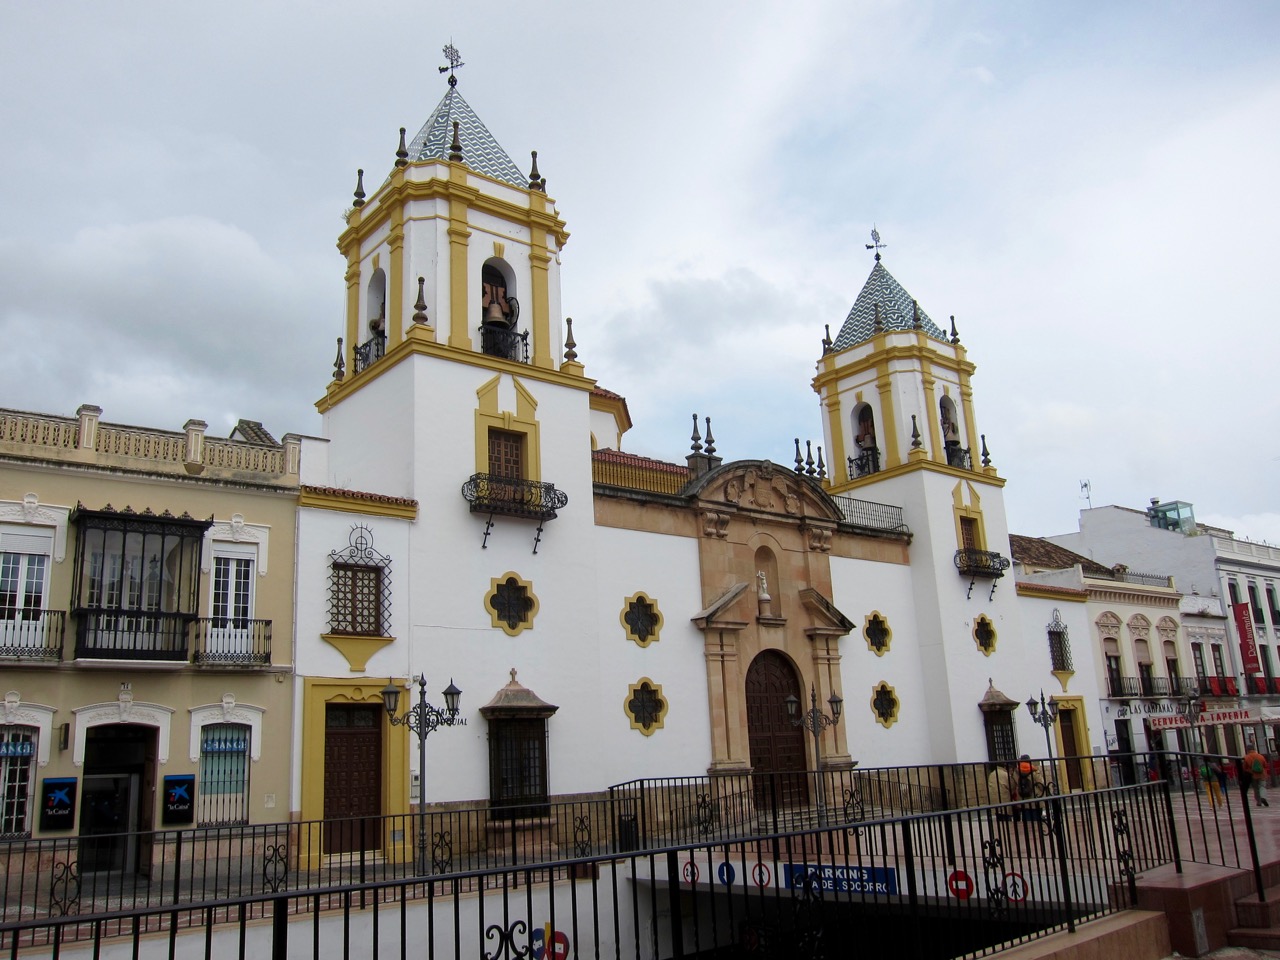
500, 312
957, 456
866, 459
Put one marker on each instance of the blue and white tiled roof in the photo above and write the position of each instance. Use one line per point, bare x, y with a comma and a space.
480, 151
895, 311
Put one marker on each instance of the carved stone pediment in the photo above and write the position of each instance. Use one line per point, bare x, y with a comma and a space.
827, 619
758, 485
717, 613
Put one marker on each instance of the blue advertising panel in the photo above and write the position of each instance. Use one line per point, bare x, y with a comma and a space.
58, 803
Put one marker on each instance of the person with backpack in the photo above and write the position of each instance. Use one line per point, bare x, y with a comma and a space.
1027, 783
1254, 766
1209, 770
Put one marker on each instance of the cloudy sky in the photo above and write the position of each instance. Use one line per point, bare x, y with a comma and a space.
1090, 188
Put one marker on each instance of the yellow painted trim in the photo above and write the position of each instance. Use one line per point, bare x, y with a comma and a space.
353, 503
880, 358
1081, 721
617, 407
995, 637
971, 510
419, 341
538, 260
897, 704
905, 468
317, 692
626, 608
932, 412
1044, 592
357, 650
524, 420
499, 249
527, 623
459, 241
538, 215
889, 427
660, 720
835, 426
888, 640
395, 280
352, 277
1063, 677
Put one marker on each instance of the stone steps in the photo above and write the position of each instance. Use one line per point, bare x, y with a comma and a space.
1259, 922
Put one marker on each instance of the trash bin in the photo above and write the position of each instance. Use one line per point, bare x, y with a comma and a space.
628, 835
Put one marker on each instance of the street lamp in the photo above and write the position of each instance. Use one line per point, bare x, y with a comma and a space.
1045, 713
815, 721
423, 718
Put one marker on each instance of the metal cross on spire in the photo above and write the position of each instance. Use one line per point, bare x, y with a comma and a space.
455, 61
875, 243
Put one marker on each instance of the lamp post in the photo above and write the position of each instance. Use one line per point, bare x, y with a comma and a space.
423, 718
1045, 713
815, 721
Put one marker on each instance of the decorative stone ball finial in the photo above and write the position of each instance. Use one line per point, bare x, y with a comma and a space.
359, 191
711, 441
697, 437
570, 347
455, 148
915, 434
799, 459
420, 306
339, 367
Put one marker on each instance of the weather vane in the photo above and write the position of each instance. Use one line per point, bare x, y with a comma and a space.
455, 61
875, 243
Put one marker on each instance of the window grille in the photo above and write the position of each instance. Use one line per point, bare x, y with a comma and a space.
1059, 644
518, 767
17, 750
359, 587
224, 774
1002, 745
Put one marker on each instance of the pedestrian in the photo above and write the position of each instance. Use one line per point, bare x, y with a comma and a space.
1254, 766
1028, 783
1209, 771
1224, 767
1000, 788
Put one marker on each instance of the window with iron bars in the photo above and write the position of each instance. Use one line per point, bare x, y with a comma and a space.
1059, 644
17, 749
359, 587
224, 774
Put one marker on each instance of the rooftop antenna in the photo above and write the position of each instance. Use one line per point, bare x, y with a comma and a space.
1086, 492
875, 243
455, 61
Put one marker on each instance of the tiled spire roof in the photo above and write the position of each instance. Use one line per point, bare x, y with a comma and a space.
480, 151
896, 311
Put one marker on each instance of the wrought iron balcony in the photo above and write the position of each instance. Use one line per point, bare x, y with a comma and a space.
865, 463
511, 497
958, 456
32, 634
373, 349
1122, 687
496, 340
232, 641
1217, 686
132, 635
986, 564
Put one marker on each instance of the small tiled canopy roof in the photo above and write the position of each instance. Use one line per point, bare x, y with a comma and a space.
480, 151
1038, 552
609, 455
517, 700
897, 311
252, 431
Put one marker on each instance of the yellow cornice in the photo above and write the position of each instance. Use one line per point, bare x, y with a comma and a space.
616, 406
397, 194
973, 476
350, 501
416, 343
1044, 591
883, 356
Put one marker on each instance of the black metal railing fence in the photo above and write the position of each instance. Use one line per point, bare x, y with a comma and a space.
933, 884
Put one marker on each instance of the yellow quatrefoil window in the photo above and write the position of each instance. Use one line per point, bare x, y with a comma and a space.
877, 633
511, 603
984, 635
885, 705
645, 706
641, 618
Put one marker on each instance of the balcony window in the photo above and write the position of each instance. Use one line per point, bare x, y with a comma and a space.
27, 629
1059, 645
136, 580
17, 751
1275, 607
1255, 604
224, 774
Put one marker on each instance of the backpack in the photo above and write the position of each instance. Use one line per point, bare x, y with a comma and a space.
1026, 785
1257, 765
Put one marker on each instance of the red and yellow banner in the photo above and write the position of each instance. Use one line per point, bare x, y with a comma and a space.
1248, 642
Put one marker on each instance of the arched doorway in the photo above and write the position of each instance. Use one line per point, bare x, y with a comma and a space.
776, 744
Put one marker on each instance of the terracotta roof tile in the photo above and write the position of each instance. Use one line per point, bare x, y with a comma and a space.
608, 455
1038, 552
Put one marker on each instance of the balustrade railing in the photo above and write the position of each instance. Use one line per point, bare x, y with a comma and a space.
132, 635
232, 641
865, 463
32, 634
512, 497
372, 350
871, 515
981, 563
